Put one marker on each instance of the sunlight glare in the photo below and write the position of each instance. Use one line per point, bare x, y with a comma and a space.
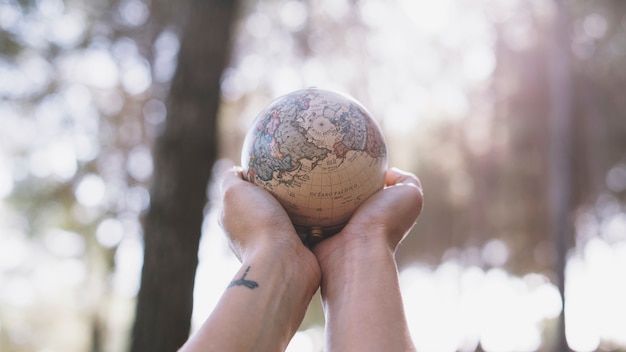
86, 147
595, 25
136, 75
614, 228
154, 112
38, 164
453, 307
91, 67
375, 13
50, 8
63, 243
286, 79
252, 68
109, 103
57, 276
110, 232
258, 25
595, 307
427, 64
398, 118
478, 134
137, 198
10, 14
29, 75
128, 264
425, 307
502, 10
451, 99
61, 159
507, 323
314, 73
77, 101
336, 9
19, 292
68, 29
495, 253
72, 272
90, 191
544, 297
428, 16
165, 54
519, 34
479, 63
134, 12
301, 342
14, 250
139, 163
6, 178
616, 178
293, 15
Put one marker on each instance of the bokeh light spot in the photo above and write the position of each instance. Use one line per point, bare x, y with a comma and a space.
110, 232
90, 190
64, 243
139, 164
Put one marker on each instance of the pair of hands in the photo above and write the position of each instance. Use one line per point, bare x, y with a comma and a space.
255, 222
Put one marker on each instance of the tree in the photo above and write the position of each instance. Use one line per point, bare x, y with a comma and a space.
560, 154
184, 156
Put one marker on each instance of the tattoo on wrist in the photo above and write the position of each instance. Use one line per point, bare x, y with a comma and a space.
243, 282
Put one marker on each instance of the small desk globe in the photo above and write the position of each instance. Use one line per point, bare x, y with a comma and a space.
320, 154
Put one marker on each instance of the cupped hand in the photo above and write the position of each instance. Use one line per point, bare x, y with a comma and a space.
254, 221
384, 219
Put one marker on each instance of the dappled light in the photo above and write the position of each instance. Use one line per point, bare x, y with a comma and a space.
454, 308
463, 91
591, 278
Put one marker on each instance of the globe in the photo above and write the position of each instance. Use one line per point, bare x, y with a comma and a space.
320, 154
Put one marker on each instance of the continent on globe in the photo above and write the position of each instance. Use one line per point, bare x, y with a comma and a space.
320, 154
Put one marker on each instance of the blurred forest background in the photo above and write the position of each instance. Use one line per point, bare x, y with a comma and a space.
115, 114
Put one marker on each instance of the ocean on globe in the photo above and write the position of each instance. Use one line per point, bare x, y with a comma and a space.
320, 154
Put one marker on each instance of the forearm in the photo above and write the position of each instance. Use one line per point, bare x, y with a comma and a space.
363, 304
261, 310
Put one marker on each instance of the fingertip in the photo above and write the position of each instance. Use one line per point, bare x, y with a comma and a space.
398, 176
237, 170
398, 172
234, 171
231, 175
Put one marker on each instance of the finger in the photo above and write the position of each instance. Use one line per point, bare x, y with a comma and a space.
396, 176
231, 177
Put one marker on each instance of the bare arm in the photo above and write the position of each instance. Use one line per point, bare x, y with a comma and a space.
360, 289
260, 310
265, 303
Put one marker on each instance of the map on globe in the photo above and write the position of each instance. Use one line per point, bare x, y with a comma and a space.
319, 153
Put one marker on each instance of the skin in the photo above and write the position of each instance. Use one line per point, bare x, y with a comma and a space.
264, 305
360, 288
264, 318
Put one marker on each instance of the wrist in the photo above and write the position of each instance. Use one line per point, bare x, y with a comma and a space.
294, 262
349, 265
351, 248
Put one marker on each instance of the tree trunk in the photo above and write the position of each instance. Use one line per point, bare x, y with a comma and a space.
560, 180
184, 156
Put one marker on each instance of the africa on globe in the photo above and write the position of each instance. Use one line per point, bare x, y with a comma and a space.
320, 154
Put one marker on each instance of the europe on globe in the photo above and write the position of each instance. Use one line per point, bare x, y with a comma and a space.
320, 154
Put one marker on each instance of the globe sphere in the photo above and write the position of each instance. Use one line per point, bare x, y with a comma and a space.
320, 154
